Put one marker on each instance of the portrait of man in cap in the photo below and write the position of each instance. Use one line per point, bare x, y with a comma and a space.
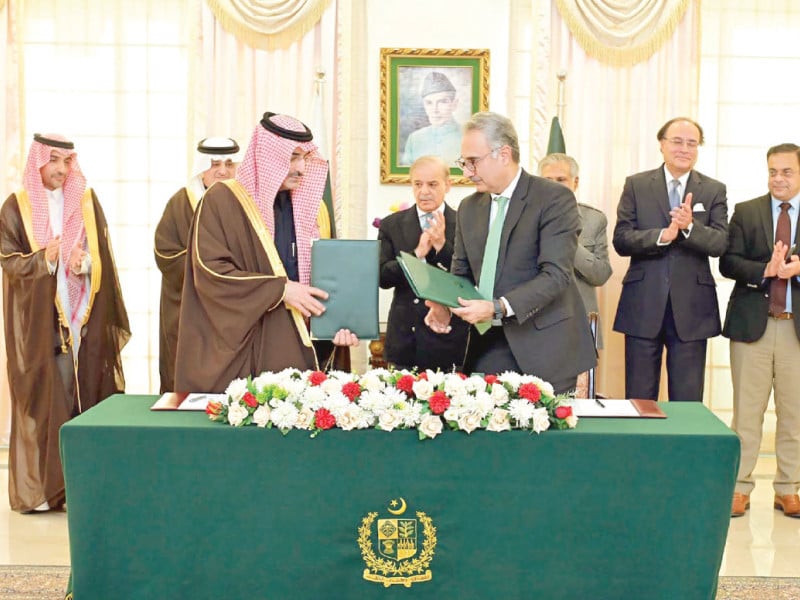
432, 128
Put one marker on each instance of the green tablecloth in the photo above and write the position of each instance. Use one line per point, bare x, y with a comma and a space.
170, 505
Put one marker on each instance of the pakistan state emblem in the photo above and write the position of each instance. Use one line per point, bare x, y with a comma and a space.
397, 548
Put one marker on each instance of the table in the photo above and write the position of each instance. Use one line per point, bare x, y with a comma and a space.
171, 505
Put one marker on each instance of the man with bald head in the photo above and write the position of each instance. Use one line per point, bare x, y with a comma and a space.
215, 160
246, 292
670, 221
427, 230
65, 321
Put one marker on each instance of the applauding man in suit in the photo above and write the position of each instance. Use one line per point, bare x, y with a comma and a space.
763, 327
427, 229
516, 238
669, 221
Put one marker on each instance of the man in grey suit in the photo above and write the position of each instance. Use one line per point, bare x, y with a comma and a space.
669, 221
516, 238
592, 267
764, 327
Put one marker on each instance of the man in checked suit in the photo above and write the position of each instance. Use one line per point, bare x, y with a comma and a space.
427, 230
534, 321
764, 329
669, 221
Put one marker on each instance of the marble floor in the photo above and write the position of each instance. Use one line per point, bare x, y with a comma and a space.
763, 543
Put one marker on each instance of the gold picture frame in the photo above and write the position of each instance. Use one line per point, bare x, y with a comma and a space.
420, 86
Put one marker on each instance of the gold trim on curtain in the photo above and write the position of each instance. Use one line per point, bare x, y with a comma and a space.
622, 32
267, 24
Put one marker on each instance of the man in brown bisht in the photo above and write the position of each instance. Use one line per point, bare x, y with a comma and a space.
215, 160
65, 321
246, 292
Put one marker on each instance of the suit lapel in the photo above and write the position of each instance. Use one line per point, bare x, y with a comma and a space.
765, 214
658, 189
694, 185
516, 206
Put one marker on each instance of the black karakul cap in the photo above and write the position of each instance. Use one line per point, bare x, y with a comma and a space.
38, 137
289, 134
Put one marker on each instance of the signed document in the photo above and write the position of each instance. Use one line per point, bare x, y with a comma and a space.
185, 401
635, 409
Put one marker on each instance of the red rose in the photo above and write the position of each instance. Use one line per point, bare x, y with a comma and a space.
530, 391
317, 377
250, 400
406, 384
213, 408
439, 402
352, 390
490, 379
562, 412
324, 419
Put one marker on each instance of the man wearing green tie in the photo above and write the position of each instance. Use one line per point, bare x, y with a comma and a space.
516, 238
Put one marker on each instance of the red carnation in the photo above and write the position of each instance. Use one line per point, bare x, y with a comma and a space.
462, 375
422, 376
439, 402
317, 377
490, 379
324, 419
352, 390
530, 391
406, 384
213, 408
250, 400
562, 412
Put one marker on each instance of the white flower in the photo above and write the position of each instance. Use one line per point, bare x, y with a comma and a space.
521, 411
499, 394
474, 383
469, 422
545, 387
389, 419
511, 378
305, 418
411, 413
313, 397
330, 385
541, 421
352, 417
499, 420
336, 403
435, 377
284, 415
266, 378
296, 388
423, 389
372, 382
572, 421
453, 413
483, 403
454, 385
237, 413
430, 426
236, 389
261, 415
374, 402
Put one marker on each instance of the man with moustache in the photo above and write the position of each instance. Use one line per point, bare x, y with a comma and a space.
215, 160
670, 221
427, 230
246, 290
65, 319
764, 328
516, 238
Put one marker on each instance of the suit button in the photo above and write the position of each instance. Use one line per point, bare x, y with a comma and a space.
416, 300
413, 329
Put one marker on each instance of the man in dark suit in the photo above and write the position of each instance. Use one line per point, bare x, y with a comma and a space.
764, 331
428, 230
669, 221
516, 238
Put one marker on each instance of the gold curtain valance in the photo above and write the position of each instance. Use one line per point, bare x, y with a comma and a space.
268, 24
622, 32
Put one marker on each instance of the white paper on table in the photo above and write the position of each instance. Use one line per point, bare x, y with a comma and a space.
613, 408
199, 401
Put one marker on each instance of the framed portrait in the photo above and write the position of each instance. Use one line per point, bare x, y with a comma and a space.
426, 95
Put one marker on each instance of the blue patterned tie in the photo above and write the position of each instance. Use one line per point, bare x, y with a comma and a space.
490, 255
675, 194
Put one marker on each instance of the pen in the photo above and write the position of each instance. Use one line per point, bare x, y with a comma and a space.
600, 403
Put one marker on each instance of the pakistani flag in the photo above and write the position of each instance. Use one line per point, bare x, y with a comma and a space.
556, 141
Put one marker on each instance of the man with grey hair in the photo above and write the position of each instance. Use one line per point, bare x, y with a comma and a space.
592, 267
442, 137
516, 238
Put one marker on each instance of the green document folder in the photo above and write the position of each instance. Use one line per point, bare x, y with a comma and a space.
348, 271
433, 283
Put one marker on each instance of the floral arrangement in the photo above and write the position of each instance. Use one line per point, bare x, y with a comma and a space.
397, 206
392, 399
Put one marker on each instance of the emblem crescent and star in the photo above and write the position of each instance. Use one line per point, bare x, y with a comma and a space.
397, 511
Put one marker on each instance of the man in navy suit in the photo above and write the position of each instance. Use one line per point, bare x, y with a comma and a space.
763, 327
669, 221
427, 230
533, 320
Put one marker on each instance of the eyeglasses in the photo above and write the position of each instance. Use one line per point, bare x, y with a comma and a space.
680, 142
469, 164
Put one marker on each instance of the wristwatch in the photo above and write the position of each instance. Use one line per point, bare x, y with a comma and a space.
499, 312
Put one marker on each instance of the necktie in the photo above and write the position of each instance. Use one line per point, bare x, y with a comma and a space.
427, 220
490, 253
675, 194
777, 289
